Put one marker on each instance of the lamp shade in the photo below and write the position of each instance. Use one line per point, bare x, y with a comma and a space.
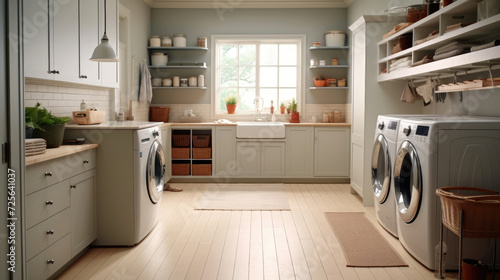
104, 52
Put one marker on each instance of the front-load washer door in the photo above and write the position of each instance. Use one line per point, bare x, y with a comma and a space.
407, 182
155, 172
381, 169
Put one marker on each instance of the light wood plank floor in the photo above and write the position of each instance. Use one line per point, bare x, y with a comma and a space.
296, 244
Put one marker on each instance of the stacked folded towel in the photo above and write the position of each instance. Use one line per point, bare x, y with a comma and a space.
400, 63
35, 146
485, 46
454, 48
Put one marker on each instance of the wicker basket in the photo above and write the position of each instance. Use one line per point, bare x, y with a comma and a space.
481, 211
201, 141
180, 169
202, 153
202, 169
180, 140
159, 114
180, 153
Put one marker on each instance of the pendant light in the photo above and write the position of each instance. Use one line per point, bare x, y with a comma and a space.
104, 52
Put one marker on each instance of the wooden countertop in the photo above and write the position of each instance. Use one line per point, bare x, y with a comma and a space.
234, 124
64, 150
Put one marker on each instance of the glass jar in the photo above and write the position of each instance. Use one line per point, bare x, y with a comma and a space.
193, 81
180, 40
184, 82
159, 59
202, 42
166, 41
154, 41
167, 82
156, 82
201, 80
335, 61
176, 81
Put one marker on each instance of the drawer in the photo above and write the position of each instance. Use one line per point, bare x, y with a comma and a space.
49, 261
47, 202
41, 175
48, 232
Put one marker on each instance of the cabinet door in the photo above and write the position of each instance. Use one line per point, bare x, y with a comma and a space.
89, 39
331, 152
109, 70
299, 151
225, 151
165, 142
248, 158
37, 51
272, 159
83, 211
66, 40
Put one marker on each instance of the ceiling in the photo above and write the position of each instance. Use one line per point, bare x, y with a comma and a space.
237, 4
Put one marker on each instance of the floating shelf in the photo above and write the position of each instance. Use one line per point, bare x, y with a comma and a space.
182, 88
328, 66
178, 48
329, 88
178, 67
329, 48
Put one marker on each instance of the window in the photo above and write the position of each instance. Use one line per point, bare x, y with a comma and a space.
258, 70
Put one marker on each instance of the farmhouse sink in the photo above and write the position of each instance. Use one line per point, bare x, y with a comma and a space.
260, 130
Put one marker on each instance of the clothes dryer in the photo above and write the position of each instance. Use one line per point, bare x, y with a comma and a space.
435, 152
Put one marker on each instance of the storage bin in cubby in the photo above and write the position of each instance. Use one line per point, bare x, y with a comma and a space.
180, 153
202, 153
202, 169
180, 169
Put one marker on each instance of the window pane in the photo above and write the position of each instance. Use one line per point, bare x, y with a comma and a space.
229, 55
288, 54
269, 76
247, 95
288, 76
269, 94
247, 54
287, 94
225, 92
228, 76
269, 54
247, 76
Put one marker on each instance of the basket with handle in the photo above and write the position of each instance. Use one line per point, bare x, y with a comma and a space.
201, 141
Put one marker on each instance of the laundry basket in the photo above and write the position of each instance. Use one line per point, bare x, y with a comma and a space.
470, 213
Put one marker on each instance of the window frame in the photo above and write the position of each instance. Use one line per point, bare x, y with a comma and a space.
299, 39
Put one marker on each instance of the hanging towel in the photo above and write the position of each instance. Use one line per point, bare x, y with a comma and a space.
145, 91
408, 95
426, 91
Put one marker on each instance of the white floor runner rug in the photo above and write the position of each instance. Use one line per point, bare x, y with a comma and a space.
244, 197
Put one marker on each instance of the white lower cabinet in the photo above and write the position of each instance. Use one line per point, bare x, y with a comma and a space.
260, 158
60, 211
299, 151
331, 152
225, 151
166, 135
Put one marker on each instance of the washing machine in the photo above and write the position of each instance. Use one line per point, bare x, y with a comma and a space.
131, 170
435, 152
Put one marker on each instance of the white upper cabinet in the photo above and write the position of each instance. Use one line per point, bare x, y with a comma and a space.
89, 39
109, 70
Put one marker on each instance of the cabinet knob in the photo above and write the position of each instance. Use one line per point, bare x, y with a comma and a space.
50, 231
50, 261
49, 174
49, 202
73, 186
85, 161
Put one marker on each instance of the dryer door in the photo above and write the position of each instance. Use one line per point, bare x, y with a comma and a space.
155, 172
381, 169
407, 182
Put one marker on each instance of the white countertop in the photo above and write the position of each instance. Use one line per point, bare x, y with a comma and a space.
115, 125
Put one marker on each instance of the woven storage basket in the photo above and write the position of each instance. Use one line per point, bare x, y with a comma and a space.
481, 211
180, 153
180, 140
201, 141
202, 153
180, 169
159, 114
202, 169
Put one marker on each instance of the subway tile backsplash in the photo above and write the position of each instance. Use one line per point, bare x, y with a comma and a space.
62, 99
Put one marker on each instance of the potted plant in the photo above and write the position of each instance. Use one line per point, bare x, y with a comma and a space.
320, 81
294, 115
46, 125
231, 103
282, 107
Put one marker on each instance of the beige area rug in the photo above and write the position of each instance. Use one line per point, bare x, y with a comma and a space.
244, 197
361, 242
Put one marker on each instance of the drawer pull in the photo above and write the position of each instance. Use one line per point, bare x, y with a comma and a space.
49, 202
73, 186
50, 231
85, 161
49, 174
50, 261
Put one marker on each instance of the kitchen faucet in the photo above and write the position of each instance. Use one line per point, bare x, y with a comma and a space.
259, 107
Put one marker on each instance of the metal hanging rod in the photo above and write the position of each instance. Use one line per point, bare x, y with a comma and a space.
460, 73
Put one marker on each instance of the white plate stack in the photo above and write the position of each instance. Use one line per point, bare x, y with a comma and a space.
35, 146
